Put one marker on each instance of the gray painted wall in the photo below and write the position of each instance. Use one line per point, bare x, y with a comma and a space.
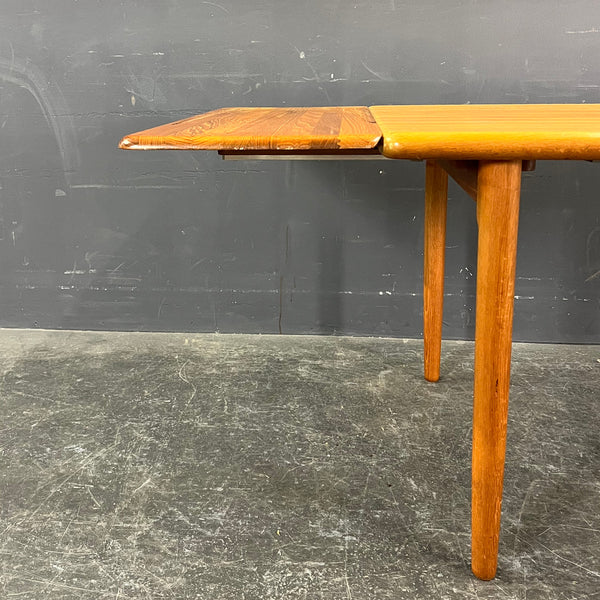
96, 238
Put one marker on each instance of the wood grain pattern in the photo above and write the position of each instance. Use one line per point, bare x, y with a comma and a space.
257, 129
492, 131
436, 201
498, 190
464, 172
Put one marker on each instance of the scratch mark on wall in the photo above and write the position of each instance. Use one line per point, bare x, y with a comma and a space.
316, 76
582, 31
103, 186
375, 73
211, 76
217, 6
280, 291
160, 306
52, 104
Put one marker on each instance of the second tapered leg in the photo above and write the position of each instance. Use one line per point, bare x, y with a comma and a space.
497, 214
436, 200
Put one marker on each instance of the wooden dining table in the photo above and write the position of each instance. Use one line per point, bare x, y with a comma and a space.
484, 148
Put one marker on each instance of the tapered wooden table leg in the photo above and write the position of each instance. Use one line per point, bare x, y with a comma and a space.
436, 200
498, 193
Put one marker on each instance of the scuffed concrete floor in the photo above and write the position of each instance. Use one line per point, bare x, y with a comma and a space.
222, 467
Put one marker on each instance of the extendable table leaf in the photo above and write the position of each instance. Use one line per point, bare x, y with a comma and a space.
484, 148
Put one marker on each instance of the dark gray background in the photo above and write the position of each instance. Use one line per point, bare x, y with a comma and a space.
96, 238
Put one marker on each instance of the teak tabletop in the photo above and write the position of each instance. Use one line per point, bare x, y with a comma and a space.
264, 129
461, 132
484, 148
491, 131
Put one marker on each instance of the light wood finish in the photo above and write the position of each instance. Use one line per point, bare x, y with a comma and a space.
498, 214
283, 129
490, 131
484, 148
436, 200
464, 172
